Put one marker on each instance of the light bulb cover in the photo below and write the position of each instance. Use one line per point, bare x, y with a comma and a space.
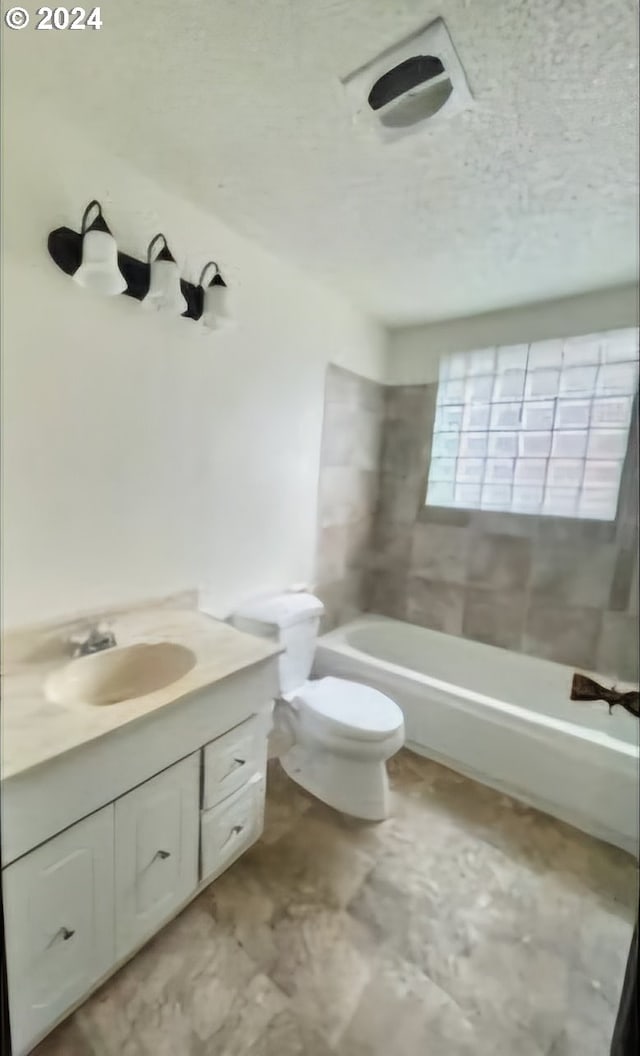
99, 269
165, 292
216, 306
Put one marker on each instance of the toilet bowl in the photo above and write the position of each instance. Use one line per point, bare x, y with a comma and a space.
343, 733
332, 736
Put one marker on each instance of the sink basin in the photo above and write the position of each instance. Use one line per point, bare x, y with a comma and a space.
118, 674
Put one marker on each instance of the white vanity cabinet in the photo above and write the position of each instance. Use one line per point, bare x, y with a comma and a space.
83, 901
59, 912
156, 852
77, 906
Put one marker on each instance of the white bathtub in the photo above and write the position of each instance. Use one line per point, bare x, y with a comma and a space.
502, 718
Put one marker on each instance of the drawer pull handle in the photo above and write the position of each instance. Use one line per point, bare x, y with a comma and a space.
235, 831
64, 933
235, 765
162, 854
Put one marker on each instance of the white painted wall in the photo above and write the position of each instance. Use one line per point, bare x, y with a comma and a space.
414, 351
141, 457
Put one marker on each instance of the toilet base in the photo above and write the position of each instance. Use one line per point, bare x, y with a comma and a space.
356, 787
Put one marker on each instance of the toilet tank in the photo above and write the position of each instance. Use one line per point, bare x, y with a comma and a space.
293, 620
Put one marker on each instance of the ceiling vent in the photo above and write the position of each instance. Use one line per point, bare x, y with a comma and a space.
410, 86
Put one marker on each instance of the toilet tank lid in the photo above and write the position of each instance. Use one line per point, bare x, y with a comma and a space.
282, 610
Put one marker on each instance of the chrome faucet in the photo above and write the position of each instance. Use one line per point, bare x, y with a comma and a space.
93, 640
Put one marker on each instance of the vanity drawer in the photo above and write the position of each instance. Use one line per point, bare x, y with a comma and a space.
59, 912
232, 760
230, 828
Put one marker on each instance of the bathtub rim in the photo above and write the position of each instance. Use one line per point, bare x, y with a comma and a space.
516, 712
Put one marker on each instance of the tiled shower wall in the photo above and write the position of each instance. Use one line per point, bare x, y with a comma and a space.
556, 588
348, 492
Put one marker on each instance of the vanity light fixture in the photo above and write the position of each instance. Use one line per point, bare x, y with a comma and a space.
216, 313
99, 269
165, 292
91, 257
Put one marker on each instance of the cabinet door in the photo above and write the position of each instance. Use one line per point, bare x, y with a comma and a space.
156, 851
59, 916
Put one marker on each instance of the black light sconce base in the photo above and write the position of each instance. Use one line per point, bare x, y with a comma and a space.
65, 249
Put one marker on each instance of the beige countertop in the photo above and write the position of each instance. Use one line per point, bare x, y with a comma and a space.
35, 730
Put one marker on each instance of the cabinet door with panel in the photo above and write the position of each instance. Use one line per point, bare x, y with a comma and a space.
59, 915
156, 849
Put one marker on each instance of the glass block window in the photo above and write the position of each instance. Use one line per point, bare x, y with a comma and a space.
540, 428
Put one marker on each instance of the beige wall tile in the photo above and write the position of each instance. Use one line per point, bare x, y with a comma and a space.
567, 634
500, 561
573, 573
439, 606
494, 617
618, 647
440, 553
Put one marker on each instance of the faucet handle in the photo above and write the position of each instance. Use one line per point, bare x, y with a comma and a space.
91, 634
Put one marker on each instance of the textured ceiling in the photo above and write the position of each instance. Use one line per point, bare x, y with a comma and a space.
238, 105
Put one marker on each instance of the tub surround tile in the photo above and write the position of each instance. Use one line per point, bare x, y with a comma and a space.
440, 553
569, 529
343, 599
489, 522
500, 561
622, 580
567, 634
439, 606
415, 403
345, 387
346, 494
494, 617
390, 546
351, 437
517, 572
634, 591
400, 498
444, 515
400, 452
343, 548
619, 646
558, 565
388, 594
573, 573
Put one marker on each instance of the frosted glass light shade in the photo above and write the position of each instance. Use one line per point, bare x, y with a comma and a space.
99, 269
165, 293
217, 313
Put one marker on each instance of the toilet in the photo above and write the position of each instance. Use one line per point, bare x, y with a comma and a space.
335, 735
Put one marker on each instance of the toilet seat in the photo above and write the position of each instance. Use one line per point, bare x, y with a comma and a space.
349, 708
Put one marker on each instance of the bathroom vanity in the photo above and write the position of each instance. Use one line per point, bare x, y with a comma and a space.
115, 815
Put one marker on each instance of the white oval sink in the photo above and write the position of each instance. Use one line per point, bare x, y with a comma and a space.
120, 673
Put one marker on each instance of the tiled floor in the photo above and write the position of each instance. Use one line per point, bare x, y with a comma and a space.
466, 924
